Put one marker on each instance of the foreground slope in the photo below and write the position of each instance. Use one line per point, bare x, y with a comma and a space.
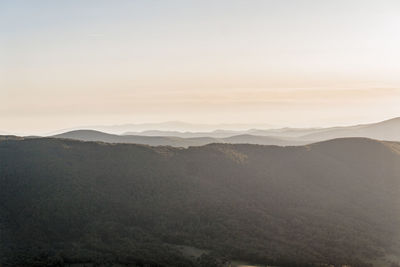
65, 201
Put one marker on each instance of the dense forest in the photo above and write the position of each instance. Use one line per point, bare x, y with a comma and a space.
65, 202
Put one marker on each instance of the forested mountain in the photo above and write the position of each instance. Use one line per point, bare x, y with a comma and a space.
65, 201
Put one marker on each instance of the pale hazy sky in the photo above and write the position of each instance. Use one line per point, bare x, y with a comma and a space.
285, 63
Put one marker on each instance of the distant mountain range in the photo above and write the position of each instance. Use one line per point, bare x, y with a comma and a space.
4, 133
221, 133
187, 134
72, 203
387, 130
167, 126
90, 135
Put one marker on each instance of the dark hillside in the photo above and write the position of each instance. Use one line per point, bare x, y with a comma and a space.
65, 201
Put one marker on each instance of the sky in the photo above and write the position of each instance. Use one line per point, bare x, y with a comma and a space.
296, 63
